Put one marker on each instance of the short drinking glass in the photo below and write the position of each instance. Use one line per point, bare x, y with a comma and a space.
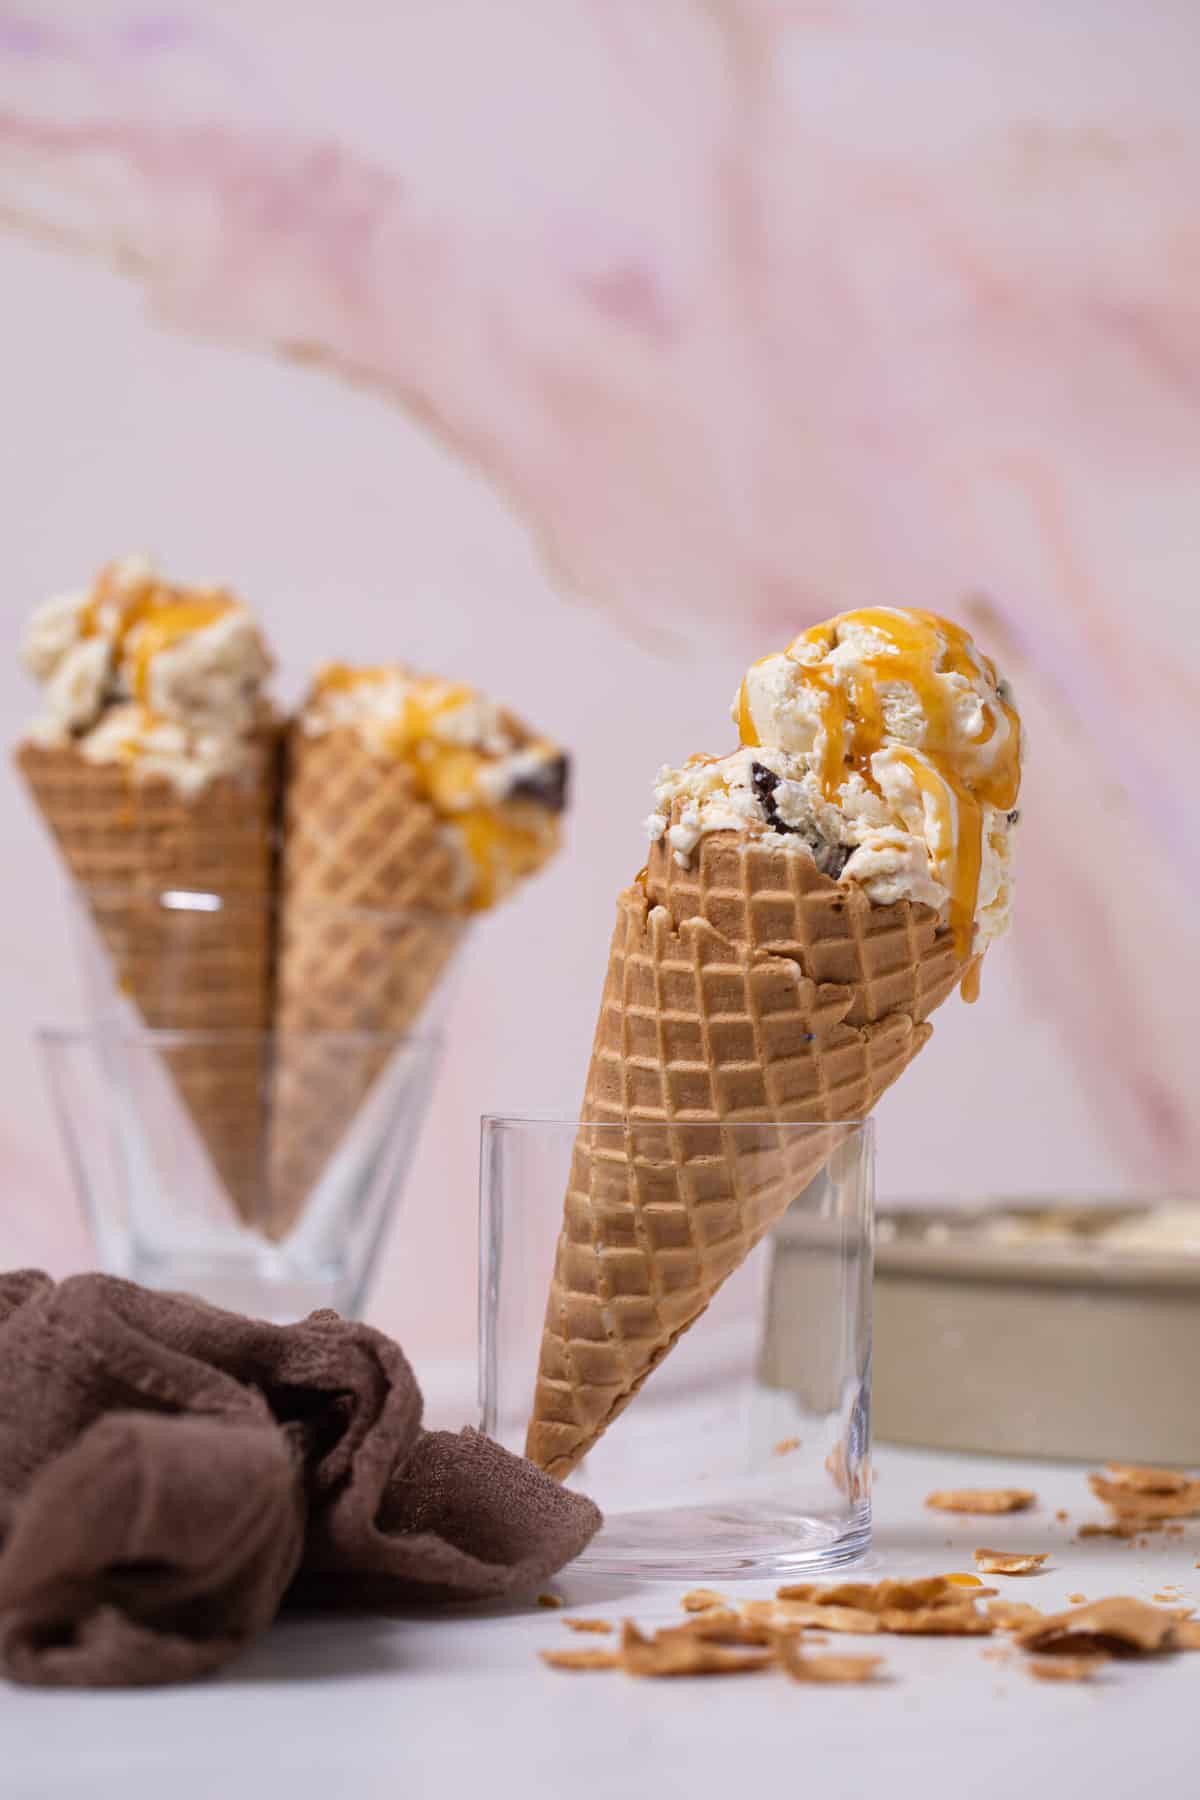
747, 1450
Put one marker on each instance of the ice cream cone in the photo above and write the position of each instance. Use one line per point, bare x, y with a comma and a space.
746, 989
127, 841
369, 925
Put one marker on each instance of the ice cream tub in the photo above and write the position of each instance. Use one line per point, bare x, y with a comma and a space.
1026, 1330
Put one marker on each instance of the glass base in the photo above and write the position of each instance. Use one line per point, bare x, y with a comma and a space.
695, 1543
260, 1287
274, 1238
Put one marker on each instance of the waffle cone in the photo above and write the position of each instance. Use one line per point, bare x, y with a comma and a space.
749, 989
126, 840
368, 928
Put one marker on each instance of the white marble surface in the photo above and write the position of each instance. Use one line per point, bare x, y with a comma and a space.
462, 1706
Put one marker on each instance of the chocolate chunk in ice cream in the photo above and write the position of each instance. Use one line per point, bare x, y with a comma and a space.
830, 858
546, 784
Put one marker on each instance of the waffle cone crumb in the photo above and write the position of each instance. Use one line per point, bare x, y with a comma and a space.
724, 1625
981, 1500
1141, 1480
795, 1615
1010, 1562
1066, 1668
939, 1621
580, 1659
801, 1667
1120, 1625
1142, 1507
699, 1598
680, 1652
1012, 1615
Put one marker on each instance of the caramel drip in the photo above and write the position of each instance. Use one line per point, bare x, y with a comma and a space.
919, 649
341, 678
969, 987
502, 849
956, 840
149, 619
415, 725
503, 840
747, 734
158, 630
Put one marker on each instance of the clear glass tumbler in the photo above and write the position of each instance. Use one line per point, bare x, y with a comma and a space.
244, 1106
192, 1176
747, 1451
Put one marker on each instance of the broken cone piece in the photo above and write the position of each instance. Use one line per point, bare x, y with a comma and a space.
801, 1667
981, 1500
677, 1651
1143, 1506
1010, 1562
1120, 1625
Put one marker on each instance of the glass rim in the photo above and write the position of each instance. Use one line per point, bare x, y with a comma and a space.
170, 1038
492, 1121
211, 901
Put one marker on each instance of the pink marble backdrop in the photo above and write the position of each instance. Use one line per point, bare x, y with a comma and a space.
592, 348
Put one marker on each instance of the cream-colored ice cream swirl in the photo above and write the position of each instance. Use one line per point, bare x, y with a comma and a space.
167, 680
884, 744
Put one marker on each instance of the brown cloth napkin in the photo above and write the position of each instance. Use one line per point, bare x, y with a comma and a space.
169, 1471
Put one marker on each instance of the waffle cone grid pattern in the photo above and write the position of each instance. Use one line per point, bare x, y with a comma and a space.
368, 930
124, 843
750, 991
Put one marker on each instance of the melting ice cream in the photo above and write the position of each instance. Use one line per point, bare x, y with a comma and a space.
882, 743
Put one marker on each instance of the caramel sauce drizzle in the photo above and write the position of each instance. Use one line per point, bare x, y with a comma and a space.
505, 839
149, 619
917, 648
747, 735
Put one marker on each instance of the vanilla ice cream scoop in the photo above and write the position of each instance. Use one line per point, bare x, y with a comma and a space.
884, 744
135, 670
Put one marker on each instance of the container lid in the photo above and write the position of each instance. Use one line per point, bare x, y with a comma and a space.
1106, 1242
